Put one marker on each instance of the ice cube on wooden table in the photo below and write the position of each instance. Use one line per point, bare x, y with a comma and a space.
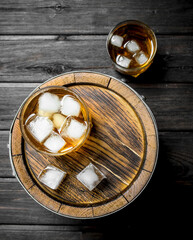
40, 128
52, 176
90, 176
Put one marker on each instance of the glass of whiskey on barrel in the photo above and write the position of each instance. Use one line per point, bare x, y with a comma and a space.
55, 120
132, 46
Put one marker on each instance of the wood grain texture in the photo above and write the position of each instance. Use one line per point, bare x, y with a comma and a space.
97, 79
22, 235
22, 172
42, 198
145, 117
49, 232
176, 147
137, 186
16, 96
117, 145
5, 168
74, 211
63, 17
38, 58
16, 139
111, 139
110, 207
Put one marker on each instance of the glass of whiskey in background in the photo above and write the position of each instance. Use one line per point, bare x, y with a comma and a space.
131, 46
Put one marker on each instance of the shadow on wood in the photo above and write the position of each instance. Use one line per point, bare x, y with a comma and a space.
154, 74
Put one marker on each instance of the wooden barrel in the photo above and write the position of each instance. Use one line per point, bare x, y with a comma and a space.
123, 144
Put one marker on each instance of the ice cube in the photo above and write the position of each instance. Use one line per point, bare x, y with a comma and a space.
73, 129
141, 58
123, 61
52, 176
49, 102
58, 120
132, 46
90, 176
117, 40
54, 143
70, 106
40, 128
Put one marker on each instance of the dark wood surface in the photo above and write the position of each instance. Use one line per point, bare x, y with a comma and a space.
40, 39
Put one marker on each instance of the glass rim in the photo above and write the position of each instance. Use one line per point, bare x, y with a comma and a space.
135, 22
30, 98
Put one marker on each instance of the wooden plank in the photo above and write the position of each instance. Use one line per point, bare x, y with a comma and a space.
64, 17
170, 103
43, 232
19, 235
65, 228
16, 96
5, 169
38, 58
40, 234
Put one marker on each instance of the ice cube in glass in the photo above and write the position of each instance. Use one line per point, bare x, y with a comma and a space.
90, 176
54, 143
141, 58
52, 176
117, 40
49, 102
132, 46
40, 128
73, 129
123, 61
70, 106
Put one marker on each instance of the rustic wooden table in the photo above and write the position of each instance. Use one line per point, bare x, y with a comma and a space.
40, 39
